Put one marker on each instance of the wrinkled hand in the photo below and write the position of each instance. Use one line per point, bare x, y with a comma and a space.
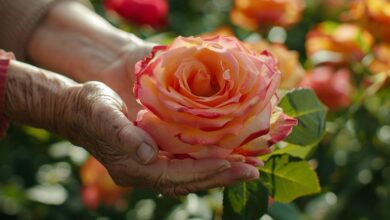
96, 118
119, 75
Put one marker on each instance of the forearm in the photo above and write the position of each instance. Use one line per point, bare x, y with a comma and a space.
35, 97
76, 42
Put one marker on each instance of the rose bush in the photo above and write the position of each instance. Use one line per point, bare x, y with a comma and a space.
252, 14
210, 97
141, 12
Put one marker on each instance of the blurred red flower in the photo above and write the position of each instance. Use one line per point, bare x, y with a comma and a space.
141, 12
252, 14
333, 87
98, 187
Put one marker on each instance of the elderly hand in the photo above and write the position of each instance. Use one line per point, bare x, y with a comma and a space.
93, 116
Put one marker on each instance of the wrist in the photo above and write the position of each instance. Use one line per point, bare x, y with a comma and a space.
76, 42
34, 96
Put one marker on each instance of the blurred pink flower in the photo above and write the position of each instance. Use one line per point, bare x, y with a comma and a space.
332, 86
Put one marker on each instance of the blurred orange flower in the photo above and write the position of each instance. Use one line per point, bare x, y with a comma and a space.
287, 62
381, 61
332, 86
373, 15
331, 42
223, 31
98, 187
252, 14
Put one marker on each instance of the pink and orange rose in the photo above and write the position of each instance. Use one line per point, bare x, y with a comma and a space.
210, 97
252, 14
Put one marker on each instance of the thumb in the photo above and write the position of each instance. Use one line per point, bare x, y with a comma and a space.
137, 143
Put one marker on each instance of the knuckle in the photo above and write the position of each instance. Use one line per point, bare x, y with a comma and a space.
162, 180
126, 136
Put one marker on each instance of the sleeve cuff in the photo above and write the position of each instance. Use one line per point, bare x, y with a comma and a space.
4, 64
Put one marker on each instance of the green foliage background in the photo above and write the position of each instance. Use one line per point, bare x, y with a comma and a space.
352, 161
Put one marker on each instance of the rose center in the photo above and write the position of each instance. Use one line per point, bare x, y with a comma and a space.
203, 84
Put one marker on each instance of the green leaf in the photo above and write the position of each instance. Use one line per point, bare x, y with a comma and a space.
290, 149
304, 105
288, 179
245, 201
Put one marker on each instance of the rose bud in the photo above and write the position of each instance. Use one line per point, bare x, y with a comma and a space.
210, 97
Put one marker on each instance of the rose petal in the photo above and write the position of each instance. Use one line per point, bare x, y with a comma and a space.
253, 127
281, 127
165, 134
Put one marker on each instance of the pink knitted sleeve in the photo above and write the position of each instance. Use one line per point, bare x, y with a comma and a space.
4, 63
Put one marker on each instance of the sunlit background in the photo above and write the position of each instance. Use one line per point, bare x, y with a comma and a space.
340, 49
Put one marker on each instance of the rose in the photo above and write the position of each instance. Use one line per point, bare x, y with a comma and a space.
333, 87
141, 12
373, 15
252, 14
337, 43
288, 62
98, 187
210, 97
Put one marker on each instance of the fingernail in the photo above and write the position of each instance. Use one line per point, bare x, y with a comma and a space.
258, 163
145, 153
251, 174
223, 166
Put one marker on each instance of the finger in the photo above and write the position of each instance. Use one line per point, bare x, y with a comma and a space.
257, 162
238, 172
236, 158
137, 143
168, 173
